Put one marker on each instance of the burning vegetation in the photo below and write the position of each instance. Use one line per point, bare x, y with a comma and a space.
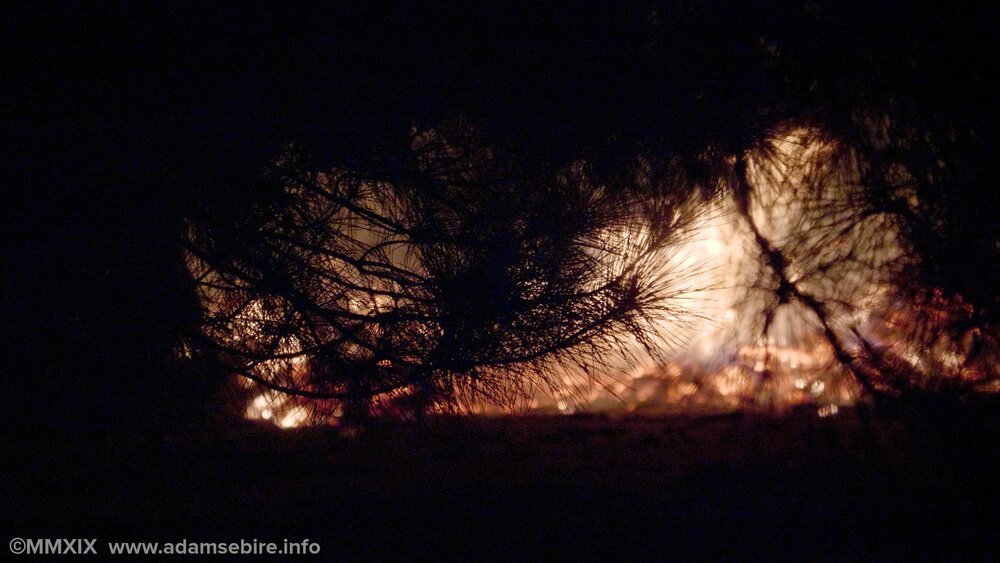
459, 276
734, 266
455, 277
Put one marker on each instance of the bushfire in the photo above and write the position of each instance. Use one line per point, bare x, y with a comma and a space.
792, 298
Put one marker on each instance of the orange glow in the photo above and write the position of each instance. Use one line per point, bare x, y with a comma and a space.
721, 356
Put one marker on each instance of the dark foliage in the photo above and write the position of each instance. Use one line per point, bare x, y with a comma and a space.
453, 269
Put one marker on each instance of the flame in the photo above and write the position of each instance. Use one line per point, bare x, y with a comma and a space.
729, 360
806, 203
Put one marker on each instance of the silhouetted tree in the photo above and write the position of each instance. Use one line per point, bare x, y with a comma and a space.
453, 272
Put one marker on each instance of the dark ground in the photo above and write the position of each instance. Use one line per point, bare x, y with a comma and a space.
905, 484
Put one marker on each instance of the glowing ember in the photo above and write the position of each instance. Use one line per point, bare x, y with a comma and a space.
827, 410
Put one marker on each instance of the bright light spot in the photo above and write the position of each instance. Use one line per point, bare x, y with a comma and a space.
817, 387
951, 359
383, 303
265, 414
645, 392
828, 410
685, 389
293, 419
714, 247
